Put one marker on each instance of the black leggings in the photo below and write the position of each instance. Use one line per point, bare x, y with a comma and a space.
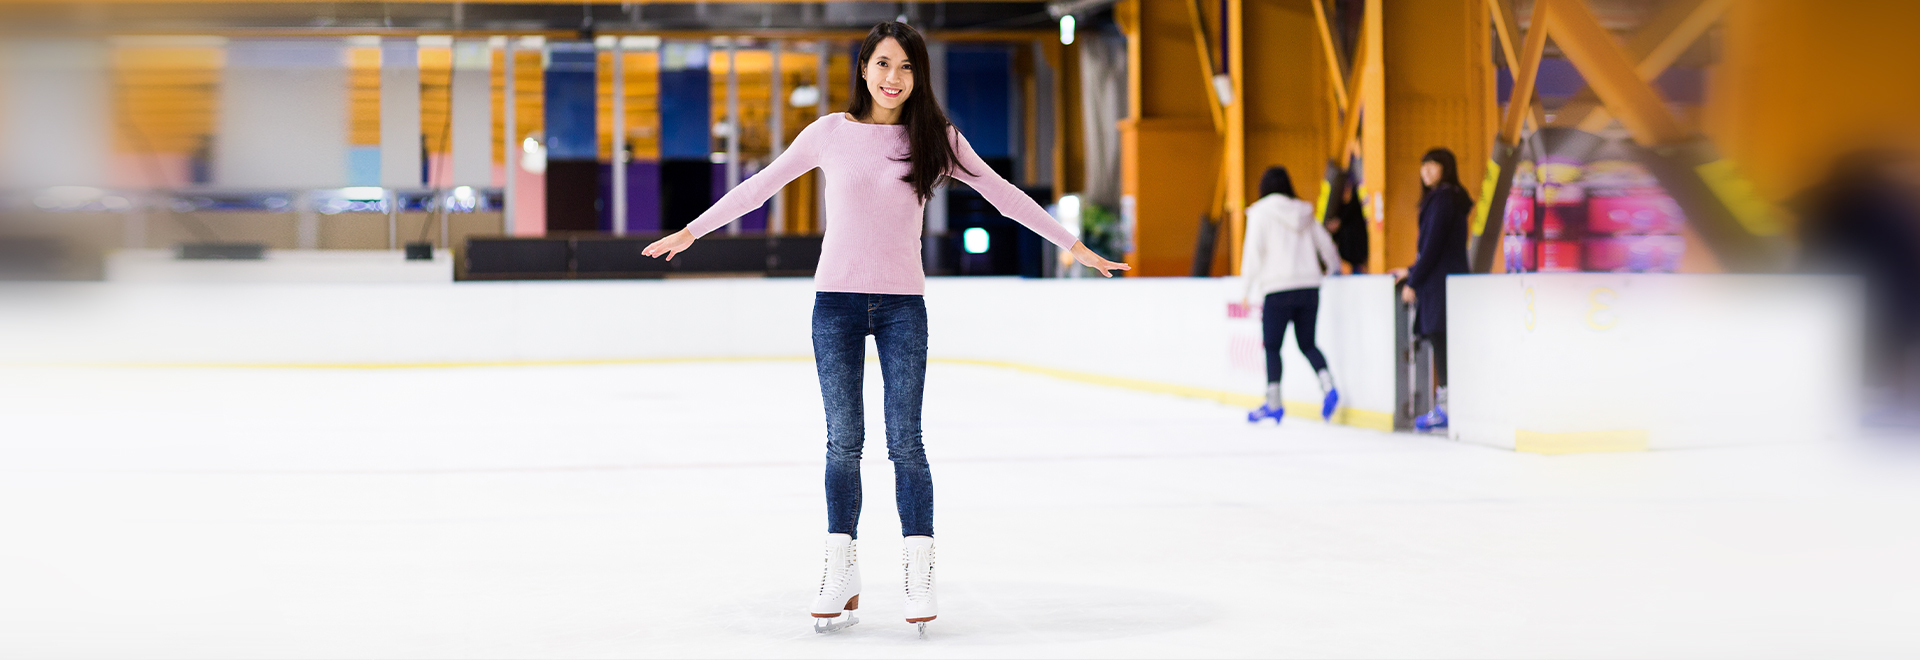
1437, 342
1299, 307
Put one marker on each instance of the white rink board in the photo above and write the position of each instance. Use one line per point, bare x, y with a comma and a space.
1355, 333
1691, 360
281, 267
1173, 331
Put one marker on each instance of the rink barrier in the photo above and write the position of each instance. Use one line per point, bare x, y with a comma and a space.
1585, 442
1371, 419
1189, 337
1597, 362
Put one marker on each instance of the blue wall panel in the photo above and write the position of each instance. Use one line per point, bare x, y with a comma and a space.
686, 102
979, 97
572, 111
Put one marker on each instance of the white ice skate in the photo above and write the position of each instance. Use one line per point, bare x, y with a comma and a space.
839, 586
922, 606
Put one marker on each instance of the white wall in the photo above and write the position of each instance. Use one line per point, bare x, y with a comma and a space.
283, 114
1688, 360
472, 106
56, 126
400, 113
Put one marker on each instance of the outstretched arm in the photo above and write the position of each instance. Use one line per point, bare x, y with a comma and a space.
1014, 203
750, 194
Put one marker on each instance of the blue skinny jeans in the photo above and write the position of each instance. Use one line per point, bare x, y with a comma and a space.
898, 323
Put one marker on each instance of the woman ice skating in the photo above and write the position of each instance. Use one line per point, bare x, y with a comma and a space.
1444, 205
882, 159
1285, 254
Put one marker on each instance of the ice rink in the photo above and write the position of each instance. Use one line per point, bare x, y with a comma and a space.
674, 510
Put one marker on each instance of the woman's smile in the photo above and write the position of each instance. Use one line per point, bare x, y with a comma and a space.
890, 92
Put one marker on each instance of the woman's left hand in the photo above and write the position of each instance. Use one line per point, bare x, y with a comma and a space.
1406, 294
1087, 258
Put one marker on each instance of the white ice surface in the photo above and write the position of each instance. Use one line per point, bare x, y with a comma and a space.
675, 511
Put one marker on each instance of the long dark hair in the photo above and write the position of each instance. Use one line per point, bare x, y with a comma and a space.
1449, 175
930, 154
1275, 181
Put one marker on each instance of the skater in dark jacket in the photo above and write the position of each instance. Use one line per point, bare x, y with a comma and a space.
1444, 205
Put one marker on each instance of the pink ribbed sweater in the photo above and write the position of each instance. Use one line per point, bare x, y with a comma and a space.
872, 243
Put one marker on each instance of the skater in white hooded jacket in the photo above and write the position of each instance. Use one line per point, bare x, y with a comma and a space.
1285, 255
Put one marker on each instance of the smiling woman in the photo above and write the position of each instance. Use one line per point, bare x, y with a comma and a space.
891, 69
882, 159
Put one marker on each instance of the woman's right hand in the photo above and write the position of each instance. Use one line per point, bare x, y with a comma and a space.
671, 245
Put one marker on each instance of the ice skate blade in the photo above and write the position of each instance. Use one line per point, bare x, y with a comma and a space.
923, 630
836, 624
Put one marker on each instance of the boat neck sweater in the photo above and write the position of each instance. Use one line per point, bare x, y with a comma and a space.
872, 242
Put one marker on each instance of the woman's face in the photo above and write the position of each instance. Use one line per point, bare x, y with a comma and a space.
1429, 173
889, 75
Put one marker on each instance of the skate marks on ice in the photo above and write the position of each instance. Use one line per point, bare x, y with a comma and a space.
977, 614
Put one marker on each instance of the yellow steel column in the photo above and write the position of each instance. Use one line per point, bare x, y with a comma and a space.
1069, 138
1804, 80
1280, 108
1234, 161
1373, 134
1492, 199
1437, 56
1170, 151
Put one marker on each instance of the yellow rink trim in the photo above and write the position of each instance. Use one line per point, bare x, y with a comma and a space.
1350, 416
1586, 442
1366, 419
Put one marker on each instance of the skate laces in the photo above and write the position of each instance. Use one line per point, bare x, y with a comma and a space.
919, 583
838, 574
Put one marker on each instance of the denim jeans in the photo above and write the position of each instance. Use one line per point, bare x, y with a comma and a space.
898, 323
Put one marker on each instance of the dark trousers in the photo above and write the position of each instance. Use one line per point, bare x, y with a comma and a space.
1299, 307
841, 323
1437, 343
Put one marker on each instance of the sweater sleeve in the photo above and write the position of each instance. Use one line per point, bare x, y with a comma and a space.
1005, 197
802, 156
1251, 252
1323, 246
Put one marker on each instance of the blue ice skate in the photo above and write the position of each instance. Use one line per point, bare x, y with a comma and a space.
1266, 411
1331, 404
1434, 419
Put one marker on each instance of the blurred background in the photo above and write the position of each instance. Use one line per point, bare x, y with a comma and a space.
325, 330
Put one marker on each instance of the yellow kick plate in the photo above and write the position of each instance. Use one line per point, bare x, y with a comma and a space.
1586, 442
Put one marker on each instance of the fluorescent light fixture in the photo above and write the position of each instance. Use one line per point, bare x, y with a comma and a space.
976, 240
804, 96
364, 193
1066, 30
640, 42
1069, 210
167, 41
435, 41
534, 160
